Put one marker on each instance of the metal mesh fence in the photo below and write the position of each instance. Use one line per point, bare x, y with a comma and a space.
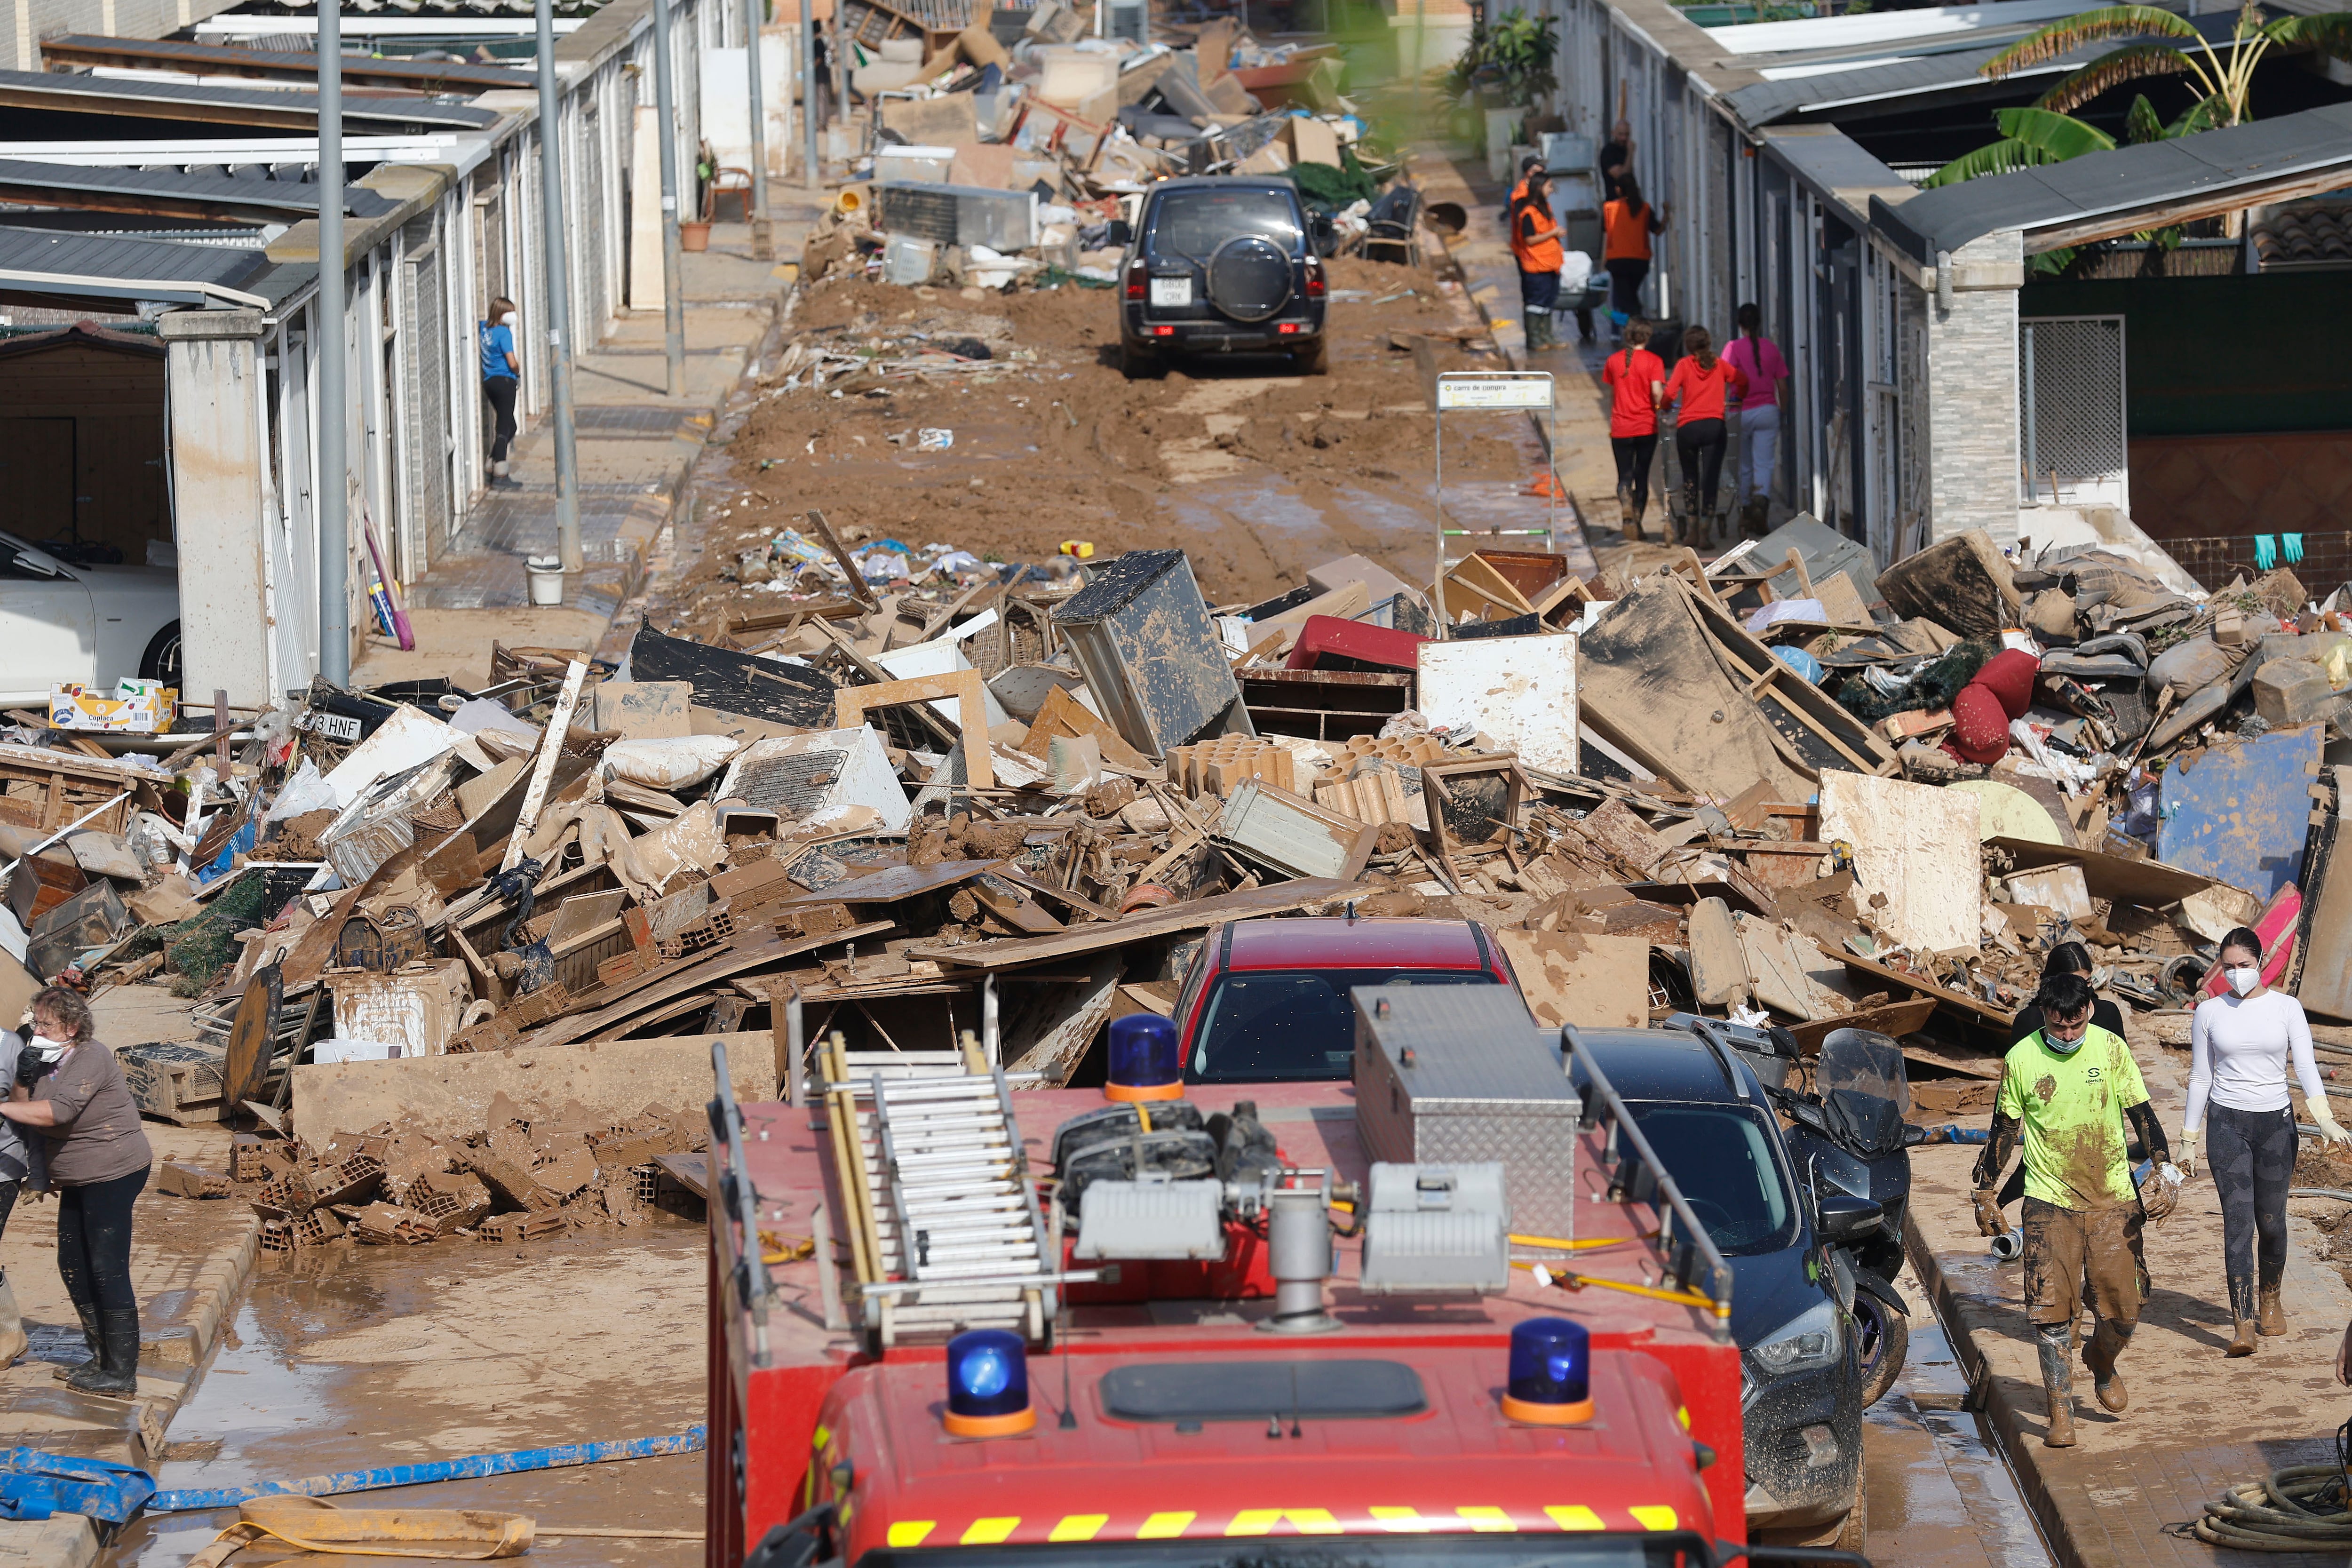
2071, 417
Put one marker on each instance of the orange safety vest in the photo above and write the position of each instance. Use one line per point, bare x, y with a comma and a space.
1628, 230
1543, 254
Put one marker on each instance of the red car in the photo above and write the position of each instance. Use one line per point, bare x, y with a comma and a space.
1266, 1001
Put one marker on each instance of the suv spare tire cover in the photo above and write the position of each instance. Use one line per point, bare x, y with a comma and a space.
1249, 278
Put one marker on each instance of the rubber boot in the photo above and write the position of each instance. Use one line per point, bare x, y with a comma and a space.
90, 1336
2058, 1382
1533, 321
2100, 1356
1628, 524
2242, 1315
116, 1371
1694, 528
2271, 1322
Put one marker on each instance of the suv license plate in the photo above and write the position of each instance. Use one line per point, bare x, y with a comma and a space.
1172, 291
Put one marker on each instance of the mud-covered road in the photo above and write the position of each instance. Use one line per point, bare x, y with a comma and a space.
1258, 472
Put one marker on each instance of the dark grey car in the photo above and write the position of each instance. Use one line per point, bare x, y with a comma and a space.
1221, 265
1705, 1114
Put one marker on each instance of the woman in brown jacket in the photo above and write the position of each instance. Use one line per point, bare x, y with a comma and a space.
99, 1159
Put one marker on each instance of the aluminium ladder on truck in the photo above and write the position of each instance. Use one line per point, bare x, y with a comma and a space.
946, 1233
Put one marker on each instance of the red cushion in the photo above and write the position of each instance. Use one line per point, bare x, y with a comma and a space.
1980, 724
2008, 676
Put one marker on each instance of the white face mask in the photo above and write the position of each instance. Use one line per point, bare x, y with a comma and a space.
48, 1049
508, 319
2243, 981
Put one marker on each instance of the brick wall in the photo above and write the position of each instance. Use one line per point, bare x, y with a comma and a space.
1972, 399
2327, 562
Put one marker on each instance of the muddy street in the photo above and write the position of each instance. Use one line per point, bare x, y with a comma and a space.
1257, 472
358, 1358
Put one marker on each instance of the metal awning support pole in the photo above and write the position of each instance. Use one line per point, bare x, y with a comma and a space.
334, 478
559, 291
812, 173
763, 232
673, 262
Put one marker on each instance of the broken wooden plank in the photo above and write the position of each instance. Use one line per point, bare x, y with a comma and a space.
965, 687
1011, 952
857, 586
1893, 1018
1650, 683
1590, 980
2151, 884
551, 746
1980, 1011
1915, 846
1718, 965
1058, 1052
642, 993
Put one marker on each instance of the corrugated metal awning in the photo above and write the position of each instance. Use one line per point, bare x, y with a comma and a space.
278, 107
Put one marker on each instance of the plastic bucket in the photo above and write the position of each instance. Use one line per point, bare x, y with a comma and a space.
546, 575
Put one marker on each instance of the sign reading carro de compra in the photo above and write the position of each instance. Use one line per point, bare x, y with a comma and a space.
1494, 392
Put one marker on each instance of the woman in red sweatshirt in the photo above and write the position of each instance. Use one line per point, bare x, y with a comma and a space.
1697, 390
1634, 378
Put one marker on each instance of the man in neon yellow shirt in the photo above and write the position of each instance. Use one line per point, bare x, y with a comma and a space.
2063, 1088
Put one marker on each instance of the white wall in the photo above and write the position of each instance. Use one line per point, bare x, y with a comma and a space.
214, 385
726, 83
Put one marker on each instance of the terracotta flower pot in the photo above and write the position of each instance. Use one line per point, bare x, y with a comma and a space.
693, 234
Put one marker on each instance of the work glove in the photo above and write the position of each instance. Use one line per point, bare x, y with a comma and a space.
2160, 1193
1988, 1206
2188, 1163
2328, 1129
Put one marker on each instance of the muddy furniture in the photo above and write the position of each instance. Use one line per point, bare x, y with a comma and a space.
1150, 654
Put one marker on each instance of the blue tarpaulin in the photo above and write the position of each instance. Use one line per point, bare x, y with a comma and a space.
34, 1485
2240, 812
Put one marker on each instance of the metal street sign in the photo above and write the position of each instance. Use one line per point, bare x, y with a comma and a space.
1533, 391
1509, 392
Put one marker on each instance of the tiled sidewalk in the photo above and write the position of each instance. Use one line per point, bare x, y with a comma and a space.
2198, 1424
635, 443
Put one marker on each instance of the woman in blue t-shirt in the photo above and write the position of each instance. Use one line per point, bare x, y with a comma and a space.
501, 371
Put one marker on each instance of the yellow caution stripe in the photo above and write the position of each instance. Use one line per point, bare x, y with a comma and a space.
996, 1528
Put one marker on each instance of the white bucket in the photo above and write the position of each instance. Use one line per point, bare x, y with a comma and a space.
546, 575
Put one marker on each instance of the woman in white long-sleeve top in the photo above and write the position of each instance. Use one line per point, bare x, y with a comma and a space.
2241, 1043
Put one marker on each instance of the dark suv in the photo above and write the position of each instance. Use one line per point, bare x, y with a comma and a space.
1221, 265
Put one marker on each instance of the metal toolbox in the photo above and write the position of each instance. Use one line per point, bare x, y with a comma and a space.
1451, 1075
1152, 657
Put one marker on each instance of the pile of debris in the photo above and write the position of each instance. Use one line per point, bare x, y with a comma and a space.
1015, 155
991, 808
400, 1185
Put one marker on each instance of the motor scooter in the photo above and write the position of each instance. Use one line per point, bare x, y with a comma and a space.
1850, 1135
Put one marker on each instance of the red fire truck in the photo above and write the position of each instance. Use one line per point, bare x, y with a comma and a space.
1419, 1316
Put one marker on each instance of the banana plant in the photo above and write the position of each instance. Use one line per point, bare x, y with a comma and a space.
2033, 137
2158, 42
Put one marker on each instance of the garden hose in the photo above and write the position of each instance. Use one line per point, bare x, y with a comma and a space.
2302, 1508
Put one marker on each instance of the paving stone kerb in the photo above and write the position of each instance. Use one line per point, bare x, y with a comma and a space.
189, 1259
2198, 1424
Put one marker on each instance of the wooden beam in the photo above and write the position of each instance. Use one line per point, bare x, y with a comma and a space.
551, 746
851, 704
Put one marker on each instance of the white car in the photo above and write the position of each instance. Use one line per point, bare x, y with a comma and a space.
94, 625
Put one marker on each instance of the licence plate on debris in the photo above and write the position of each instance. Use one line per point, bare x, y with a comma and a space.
1172, 291
334, 726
